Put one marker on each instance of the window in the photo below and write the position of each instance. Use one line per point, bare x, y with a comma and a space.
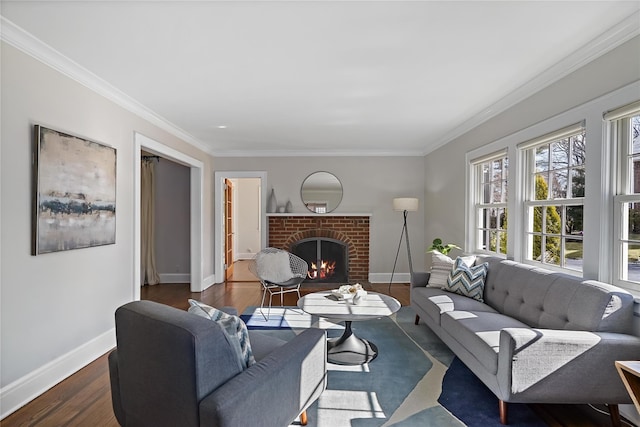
625, 126
491, 203
555, 198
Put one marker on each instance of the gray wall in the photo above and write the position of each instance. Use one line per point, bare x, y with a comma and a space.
56, 310
445, 168
369, 184
172, 212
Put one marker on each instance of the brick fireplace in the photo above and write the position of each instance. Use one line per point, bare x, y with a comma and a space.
352, 230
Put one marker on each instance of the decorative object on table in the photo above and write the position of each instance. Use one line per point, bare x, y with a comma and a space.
272, 203
288, 207
404, 205
74, 199
437, 245
350, 292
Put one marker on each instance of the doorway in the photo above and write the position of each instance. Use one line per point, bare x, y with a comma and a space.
248, 212
195, 166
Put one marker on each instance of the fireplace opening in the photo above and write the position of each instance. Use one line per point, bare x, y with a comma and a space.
327, 259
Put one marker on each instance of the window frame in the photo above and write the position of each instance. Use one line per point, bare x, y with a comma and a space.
528, 151
619, 123
477, 228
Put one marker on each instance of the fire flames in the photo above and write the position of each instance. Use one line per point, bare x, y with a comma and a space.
326, 270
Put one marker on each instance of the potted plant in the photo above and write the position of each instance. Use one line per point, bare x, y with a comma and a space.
437, 245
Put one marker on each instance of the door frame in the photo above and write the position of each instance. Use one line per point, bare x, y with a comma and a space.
142, 142
218, 232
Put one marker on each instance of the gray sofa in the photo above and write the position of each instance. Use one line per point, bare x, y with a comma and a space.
173, 368
538, 337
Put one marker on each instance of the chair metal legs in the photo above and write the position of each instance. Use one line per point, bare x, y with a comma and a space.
281, 292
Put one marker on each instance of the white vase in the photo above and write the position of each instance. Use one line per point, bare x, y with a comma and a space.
272, 203
288, 207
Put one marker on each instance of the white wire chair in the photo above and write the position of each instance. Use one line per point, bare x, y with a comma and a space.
280, 272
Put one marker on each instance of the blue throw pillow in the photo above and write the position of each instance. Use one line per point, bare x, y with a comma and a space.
233, 326
467, 281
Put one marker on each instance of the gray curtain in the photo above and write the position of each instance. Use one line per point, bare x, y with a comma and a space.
148, 270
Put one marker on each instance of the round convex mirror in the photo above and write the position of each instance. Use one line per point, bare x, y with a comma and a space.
321, 192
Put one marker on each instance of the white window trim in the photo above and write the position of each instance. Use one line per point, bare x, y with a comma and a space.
600, 183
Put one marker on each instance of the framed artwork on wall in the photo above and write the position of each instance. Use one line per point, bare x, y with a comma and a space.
74, 194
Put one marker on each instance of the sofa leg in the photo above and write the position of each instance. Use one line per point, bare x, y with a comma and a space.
303, 418
417, 319
503, 412
614, 413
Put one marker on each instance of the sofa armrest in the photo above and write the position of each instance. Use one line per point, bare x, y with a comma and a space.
114, 379
275, 390
544, 363
420, 279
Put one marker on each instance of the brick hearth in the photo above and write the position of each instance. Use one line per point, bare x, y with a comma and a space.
284, 230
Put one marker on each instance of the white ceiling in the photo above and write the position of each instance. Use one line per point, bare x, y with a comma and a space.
325, 77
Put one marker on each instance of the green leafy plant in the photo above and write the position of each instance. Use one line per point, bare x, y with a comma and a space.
437, 245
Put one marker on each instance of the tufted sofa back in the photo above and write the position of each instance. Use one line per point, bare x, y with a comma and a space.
545, 299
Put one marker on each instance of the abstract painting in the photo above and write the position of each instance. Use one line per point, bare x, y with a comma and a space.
74, 197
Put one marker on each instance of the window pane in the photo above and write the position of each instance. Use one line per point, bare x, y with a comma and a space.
485, 175
553, 222
493, 218
635, 134
497, 170
577, 182
493, 241
560, 154
537, 219
536, 244
559, 189
634, 221
502, 238
542, 186
573, 222
552, 250
573, 254
633, 262
542, 158
502, 216
486, 193
496, 192
505, 172
578, 152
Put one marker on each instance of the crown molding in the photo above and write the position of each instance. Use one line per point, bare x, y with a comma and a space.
17, 37
323, 153
620, 33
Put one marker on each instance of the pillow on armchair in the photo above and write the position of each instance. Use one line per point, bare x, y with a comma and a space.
233, 326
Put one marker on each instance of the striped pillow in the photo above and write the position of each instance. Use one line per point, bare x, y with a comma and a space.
233, 326
467, 281
441, 266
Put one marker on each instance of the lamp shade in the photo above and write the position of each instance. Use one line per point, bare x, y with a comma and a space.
405, 204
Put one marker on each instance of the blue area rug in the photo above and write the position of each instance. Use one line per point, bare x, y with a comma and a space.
414, 381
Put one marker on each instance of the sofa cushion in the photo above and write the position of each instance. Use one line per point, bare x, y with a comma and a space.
479, 333
467, 281
437, 301
233, 326
441, 266
549, 300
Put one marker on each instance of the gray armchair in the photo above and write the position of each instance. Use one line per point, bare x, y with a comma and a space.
174, 368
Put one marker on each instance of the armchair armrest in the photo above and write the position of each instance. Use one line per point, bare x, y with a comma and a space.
420, 279
275, 390
542, 364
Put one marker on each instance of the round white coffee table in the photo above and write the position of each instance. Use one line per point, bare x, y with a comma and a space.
349, 349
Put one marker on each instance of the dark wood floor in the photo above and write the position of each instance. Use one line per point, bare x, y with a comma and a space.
84, 399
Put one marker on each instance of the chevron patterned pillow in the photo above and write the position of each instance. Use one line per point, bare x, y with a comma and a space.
467, 281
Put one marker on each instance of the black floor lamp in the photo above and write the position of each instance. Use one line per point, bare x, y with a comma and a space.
404, 205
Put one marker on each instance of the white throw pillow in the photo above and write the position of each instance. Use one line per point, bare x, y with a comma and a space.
274, 267
441, 266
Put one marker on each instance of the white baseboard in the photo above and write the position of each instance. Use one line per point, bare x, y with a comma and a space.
20, 392
175, 277
208, 281
248, 255
386, 277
